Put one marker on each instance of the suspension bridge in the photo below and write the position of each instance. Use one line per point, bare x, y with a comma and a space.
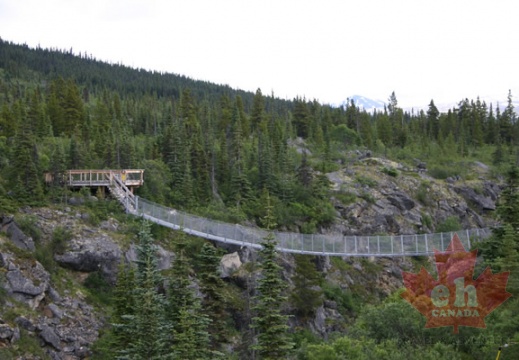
121, 184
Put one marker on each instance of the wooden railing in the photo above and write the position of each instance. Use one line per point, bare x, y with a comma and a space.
129, 177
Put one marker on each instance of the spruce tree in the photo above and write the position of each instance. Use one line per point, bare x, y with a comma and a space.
123, 307
258, 106
188, 323
307, 295
508, 260
270, 323
212, 285
26, 178
146, 326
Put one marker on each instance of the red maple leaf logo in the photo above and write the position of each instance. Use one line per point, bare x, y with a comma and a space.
455, 299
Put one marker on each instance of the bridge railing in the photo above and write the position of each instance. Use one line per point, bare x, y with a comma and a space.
318, 244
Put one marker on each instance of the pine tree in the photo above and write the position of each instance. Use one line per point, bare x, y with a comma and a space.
494, 247
508, 260
307, 295
384, 130
8, 122
188, 323
271, 324
26, 179
146, 326
258, 106
212, 285
301, 118
123, 307
433, 121
304, 172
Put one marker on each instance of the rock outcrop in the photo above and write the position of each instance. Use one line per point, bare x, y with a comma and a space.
91, 252
404, 204
66, 324
18, 238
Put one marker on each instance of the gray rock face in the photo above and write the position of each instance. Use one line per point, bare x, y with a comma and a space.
6, 332
481, 202
21, 283
19, 239
89, 254
401, 200
25, 323
406, 204
164, 261
49, 336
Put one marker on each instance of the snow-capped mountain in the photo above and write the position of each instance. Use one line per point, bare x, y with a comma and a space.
365, 103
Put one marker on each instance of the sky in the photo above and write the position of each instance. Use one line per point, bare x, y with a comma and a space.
327, 50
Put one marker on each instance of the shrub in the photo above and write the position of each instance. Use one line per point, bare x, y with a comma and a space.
362, 180
346, 197
60, 237
99, 288
28, 224
450, 224
422, 194
391, 171
343, 298
368, 197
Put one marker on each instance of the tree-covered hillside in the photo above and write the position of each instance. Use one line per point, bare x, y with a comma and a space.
240, 157
209, 148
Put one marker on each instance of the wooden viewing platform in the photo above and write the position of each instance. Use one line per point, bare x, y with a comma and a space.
78, 178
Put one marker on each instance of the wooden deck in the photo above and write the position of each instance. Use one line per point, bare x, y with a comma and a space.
78, 178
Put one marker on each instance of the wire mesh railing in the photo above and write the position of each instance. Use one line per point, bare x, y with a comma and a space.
316, 244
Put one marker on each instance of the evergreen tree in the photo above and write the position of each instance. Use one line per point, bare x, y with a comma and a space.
212, 285
433, 121
508, 213
384, 130
508, 260
123, 307
146, 326
304, 172
272, 340
491, 128
258, 106
307, 294
26, 178
188, 323
301, 118
8, 123
511, 118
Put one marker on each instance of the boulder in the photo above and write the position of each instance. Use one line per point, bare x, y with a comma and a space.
25, 323
92, 253
229, 264
49, 336
8, 334
27, 284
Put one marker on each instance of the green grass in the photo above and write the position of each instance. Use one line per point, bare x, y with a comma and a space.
28, 344
340, 264
345, 197
363, 180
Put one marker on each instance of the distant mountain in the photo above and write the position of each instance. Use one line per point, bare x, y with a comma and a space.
372, 104
365, 103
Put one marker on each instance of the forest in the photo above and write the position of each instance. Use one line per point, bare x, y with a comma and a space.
239, 157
